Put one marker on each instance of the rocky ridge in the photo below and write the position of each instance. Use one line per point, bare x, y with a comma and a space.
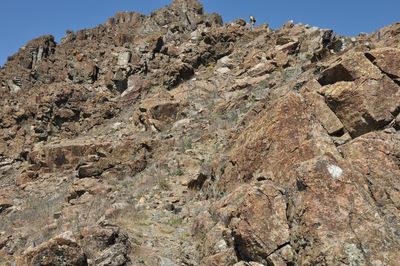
175, 139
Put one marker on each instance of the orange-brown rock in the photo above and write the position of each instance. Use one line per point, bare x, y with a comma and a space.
60, 250
244, 211
324, 114
364, 105
351, 66
387, 59
283, 136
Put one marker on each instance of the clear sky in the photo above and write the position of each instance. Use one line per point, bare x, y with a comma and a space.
23, 20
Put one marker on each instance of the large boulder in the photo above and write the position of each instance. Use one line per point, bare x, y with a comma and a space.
335, 220
282, 136
351, 66
244, 211
387, 59
375, 156
61, 250
64, 155
106, 245
324, 114
364, 105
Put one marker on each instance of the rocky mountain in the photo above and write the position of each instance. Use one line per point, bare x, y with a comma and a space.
175, 139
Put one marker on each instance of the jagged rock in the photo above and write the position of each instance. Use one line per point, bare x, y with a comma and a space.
244, 210
206, 173
106, 245
324, 114
60, 250
14, 88
351, 66
83, 72
387, 59
276, 140
124, 58
397, 122
86, 186
289, 48
178, 73
90, 170
379, 166
162, 108
137, 87
64, 155
120, 79
359, 104
5, 205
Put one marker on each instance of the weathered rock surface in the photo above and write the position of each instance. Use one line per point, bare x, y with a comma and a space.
61, 250
175, 139
365, 105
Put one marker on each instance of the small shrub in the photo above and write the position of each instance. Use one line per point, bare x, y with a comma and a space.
163, 184
179, 172
175, 222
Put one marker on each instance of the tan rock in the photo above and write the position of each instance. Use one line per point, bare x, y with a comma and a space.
372, 155
324, 114
87, 186
331, 222
351, 66
387, 59
289, 48
359, 104
244, 211
285, 134
60, 248
224, 259
63, 155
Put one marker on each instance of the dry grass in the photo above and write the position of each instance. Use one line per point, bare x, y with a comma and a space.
130, 218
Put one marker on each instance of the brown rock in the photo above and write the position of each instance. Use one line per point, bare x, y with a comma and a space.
65, 113
289, 48
5, 204
60, 250
324, 114
283, 135
63, 155
359, 104
91, 170
86, 186
387, 59
244, 211
351, 66
204, 174
397, 122
373, 155
106, 245
224, 258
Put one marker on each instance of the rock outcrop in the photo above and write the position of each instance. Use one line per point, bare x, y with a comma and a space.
175, 139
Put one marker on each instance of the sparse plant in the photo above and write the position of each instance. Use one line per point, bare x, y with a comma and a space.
185, 144
210, 67
175, 221
202, 234
130, 218
179, 172
163, 184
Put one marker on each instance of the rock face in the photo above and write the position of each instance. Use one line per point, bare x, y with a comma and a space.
175, 139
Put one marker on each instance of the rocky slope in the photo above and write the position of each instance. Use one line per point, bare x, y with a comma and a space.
174, 139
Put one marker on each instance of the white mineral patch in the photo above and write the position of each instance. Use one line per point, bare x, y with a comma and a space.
335, 171
223, 70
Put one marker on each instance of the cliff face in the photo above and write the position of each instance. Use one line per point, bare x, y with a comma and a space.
174, 139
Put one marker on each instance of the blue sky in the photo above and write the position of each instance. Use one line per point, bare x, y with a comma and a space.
23, 20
